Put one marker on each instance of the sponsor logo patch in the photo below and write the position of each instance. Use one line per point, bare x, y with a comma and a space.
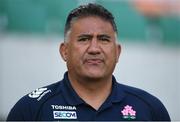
65, 114
63, 107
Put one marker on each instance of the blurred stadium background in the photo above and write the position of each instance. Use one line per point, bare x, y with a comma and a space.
31, 31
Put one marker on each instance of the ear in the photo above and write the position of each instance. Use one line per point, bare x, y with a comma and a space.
63, 51
118, 52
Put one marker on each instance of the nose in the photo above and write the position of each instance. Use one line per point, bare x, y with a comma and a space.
94, 47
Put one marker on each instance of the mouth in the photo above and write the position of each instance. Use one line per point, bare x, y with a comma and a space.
94, 61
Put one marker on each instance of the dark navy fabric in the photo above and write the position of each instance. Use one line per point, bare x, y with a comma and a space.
60, 102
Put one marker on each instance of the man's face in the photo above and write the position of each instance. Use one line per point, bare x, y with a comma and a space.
91, 50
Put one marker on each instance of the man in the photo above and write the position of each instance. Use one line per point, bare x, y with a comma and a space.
88, 90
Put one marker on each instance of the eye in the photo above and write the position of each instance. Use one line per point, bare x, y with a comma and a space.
83, 39
104, 39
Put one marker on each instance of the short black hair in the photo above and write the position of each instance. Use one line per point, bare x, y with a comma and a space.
91, 9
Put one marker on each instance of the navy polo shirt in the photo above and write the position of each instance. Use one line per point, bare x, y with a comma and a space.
59, 101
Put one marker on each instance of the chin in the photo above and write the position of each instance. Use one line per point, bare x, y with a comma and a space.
94, 75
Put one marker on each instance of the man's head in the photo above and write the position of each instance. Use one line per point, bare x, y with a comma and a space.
89, 10
90, 48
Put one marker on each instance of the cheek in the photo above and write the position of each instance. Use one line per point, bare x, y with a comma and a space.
110, 51
111, 56
74, 54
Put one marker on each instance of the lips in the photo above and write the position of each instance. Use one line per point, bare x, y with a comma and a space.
94, 61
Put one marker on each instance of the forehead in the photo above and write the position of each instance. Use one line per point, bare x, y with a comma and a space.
91, 24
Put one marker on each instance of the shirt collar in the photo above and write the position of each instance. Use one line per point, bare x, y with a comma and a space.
69, 93
116, 95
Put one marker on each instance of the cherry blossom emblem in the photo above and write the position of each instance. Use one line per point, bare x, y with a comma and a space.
128, 113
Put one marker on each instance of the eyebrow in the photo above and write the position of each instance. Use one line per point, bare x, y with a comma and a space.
98, 36
104, 35
85, 35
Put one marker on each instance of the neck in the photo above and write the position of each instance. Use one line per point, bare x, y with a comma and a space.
94, 92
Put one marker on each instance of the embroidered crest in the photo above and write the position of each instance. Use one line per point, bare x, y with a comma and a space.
128, 113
